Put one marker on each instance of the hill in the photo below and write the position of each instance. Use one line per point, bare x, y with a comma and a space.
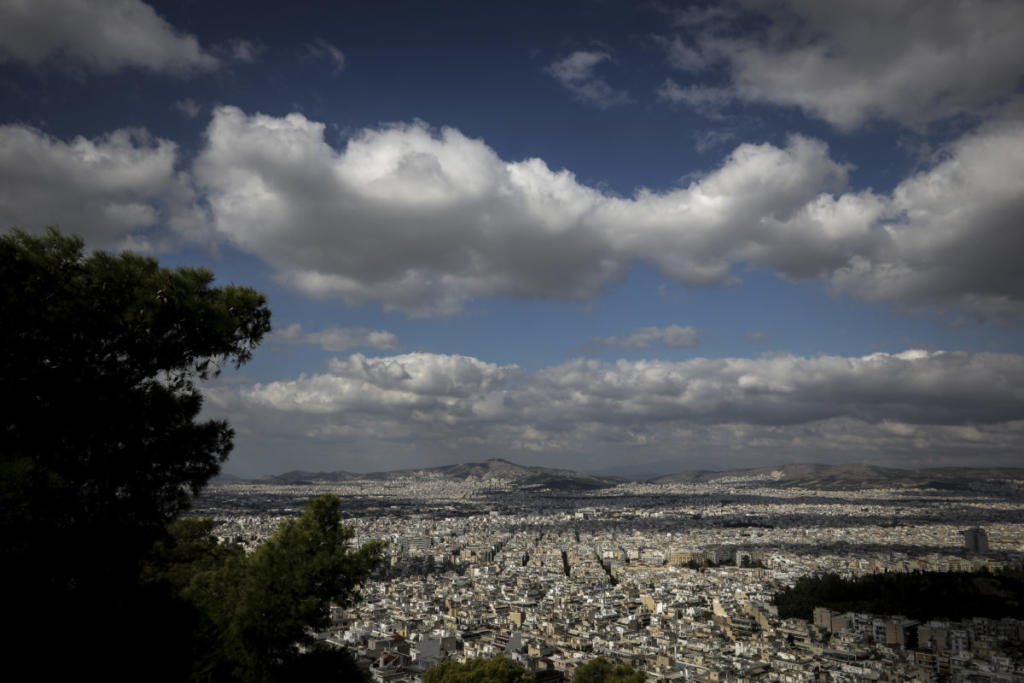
495, 468
302, 477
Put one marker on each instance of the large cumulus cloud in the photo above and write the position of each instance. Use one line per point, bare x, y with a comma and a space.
881, 405
419, 221
424, 220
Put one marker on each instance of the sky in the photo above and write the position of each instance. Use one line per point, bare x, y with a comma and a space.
627, 238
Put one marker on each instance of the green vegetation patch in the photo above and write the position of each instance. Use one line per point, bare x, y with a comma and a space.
920, 595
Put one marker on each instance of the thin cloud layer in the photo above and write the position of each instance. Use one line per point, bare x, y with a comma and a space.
893, 402
336, 338
187, 107
576, 73
911, 62
112, 190
671, 336
915, 387
702, 98
240, 50
321, 49
99, 35
423, 221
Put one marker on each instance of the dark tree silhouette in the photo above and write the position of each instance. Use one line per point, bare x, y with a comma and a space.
253, 614
100, 447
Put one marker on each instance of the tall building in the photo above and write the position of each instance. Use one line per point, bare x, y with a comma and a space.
975, 540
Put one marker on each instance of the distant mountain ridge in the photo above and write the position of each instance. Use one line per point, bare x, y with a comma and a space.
302, 477
495, 468
849, 476
854, 476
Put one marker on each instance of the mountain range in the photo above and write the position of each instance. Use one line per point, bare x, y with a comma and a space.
850, 476
496, 468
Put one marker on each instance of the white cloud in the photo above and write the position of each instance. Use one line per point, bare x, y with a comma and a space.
791, 407
419, 221
423, 220
99, 35
111, 190
337, 338
576, 73
413, 386
912, 62
672, 336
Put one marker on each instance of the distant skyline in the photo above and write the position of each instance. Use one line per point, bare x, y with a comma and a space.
601, 236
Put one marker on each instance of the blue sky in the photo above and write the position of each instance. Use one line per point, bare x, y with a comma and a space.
611, 236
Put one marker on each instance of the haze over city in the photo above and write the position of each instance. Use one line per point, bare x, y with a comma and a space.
621, 238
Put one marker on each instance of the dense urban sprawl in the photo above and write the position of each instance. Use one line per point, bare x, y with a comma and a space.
676, 580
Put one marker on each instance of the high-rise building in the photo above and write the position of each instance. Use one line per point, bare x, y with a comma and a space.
975, 540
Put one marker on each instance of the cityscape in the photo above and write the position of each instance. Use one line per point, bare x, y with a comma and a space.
674, 579
589, 341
